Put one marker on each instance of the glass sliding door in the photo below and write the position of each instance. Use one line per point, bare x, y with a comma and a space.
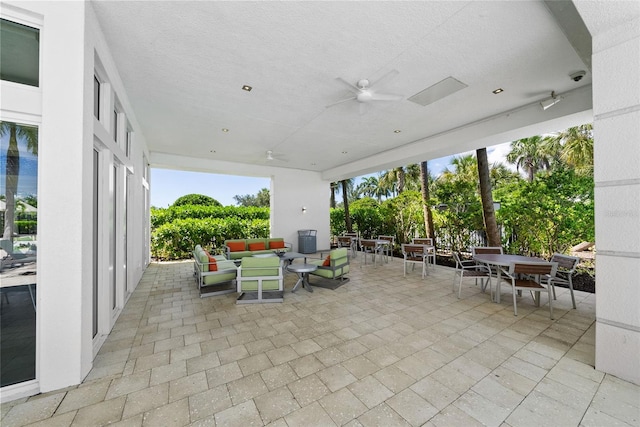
18, 251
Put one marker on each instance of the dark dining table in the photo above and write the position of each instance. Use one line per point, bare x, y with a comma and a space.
503, 260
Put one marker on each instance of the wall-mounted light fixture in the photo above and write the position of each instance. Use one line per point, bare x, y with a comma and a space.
496, 206
548, 103
304, 210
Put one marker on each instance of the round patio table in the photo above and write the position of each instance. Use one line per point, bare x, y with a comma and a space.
302, 270
503, 260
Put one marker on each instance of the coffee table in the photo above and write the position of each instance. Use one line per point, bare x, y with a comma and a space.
302, 270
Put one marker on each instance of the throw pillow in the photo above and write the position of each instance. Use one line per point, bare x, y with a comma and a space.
256, 246
327, 261
213, 264
276, 245
236, 246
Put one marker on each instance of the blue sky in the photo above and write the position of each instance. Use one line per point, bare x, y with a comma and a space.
167, 185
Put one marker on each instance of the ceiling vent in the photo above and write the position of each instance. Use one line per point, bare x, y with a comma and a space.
438, 91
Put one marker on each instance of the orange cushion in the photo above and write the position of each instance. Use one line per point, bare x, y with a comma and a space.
213, 264
236, 246
327, 262
276, 245
257, 246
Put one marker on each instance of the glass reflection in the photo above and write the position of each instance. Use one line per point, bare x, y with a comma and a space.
18, 251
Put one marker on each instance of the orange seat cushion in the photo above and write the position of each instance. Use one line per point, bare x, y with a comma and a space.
276, 245
327, 262
213, 264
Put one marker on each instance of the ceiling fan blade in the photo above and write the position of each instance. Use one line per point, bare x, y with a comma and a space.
385, 97
341, 101
348, 85
382, 80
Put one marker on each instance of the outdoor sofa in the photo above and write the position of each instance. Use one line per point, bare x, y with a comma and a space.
240, 248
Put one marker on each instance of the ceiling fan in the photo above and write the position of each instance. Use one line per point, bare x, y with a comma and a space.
364, 93
271, 157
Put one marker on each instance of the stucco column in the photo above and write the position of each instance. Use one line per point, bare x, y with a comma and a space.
615, 28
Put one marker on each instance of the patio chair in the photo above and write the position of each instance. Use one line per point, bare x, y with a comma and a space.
431, 253
355, 241
347, 242
260, 280
566, 267
469, 269
337, 268
388, 249
487, 250
368, 247
412, 255
534, 277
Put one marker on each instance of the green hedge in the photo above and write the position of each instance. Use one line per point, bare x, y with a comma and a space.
176, 240
26, 227
163, 216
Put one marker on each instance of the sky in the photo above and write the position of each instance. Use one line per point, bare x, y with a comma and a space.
167, 185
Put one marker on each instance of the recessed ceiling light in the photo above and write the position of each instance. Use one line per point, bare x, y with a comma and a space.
225, 130
247, 88
499, 90
397, 131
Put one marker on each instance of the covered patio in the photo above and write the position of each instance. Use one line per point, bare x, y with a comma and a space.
379, 350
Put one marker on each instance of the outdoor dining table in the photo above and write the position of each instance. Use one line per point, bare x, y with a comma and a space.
503, 260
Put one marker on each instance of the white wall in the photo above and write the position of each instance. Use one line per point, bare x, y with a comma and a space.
616, 92
290, 192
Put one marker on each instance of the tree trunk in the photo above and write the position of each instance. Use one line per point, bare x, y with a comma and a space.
345, 198
401, 180
490, 224
424, 186
11, 184
333, 195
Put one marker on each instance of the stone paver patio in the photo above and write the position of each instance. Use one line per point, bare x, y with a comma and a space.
382, 350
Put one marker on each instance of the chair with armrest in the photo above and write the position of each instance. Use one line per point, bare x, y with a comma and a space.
566, 267
412, 255
260, 280
347, 242
368, 247
476, 250
468, 269
531, 276
355, 241
334, 267
387, 250
431, 253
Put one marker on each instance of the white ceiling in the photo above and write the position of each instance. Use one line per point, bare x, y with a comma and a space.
183, 65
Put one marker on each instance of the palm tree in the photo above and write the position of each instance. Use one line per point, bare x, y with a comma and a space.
334, 189
424, 187
15, 132
370, 187
577, 148
412, 177
346, 184
488, 213
531, 154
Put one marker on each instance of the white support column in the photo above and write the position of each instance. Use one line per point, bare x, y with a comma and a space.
615, 28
